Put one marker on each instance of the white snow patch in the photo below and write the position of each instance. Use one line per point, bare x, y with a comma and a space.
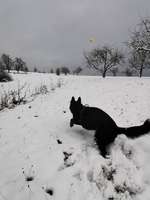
43, 158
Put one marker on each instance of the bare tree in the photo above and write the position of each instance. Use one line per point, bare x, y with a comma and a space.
139, 45
58, 71
51, 71
1, 66
139, 60
19, 64
26, 70
65, 70
103, 59
35, 69
6, 62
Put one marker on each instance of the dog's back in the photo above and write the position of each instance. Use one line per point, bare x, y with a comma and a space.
91, 118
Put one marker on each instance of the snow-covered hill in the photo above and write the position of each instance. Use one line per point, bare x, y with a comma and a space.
42, 158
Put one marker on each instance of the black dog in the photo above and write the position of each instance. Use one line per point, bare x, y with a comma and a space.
93, 118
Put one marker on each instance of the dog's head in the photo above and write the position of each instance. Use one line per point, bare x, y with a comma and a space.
76, 107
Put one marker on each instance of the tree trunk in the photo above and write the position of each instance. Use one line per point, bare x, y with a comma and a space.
141, 71
8, 66
8, 69
104, 74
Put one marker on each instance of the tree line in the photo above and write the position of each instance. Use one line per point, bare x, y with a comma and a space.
103, 59
65, 70
7, 63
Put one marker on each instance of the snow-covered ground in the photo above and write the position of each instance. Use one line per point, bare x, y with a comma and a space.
42, 158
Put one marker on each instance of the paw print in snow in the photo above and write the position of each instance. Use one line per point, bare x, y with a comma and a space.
29, 176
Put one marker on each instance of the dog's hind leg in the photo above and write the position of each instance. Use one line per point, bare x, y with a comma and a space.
103, 150
104, 136
100, 144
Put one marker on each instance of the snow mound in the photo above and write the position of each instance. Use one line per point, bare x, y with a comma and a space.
120, 177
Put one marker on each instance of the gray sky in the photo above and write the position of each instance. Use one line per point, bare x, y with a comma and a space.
51, 32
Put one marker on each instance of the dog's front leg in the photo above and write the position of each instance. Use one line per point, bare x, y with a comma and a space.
71, 122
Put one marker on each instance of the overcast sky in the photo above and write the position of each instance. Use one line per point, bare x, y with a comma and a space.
51, 32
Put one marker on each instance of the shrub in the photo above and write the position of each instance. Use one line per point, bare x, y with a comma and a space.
4, 76
5, 101
11, 98
59, 83
42, 89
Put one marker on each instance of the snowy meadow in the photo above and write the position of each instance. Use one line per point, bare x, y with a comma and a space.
43, 158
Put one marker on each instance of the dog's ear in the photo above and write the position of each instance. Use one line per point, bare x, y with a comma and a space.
79, 100
72, 99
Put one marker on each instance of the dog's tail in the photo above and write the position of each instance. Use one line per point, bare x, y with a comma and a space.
136, 131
